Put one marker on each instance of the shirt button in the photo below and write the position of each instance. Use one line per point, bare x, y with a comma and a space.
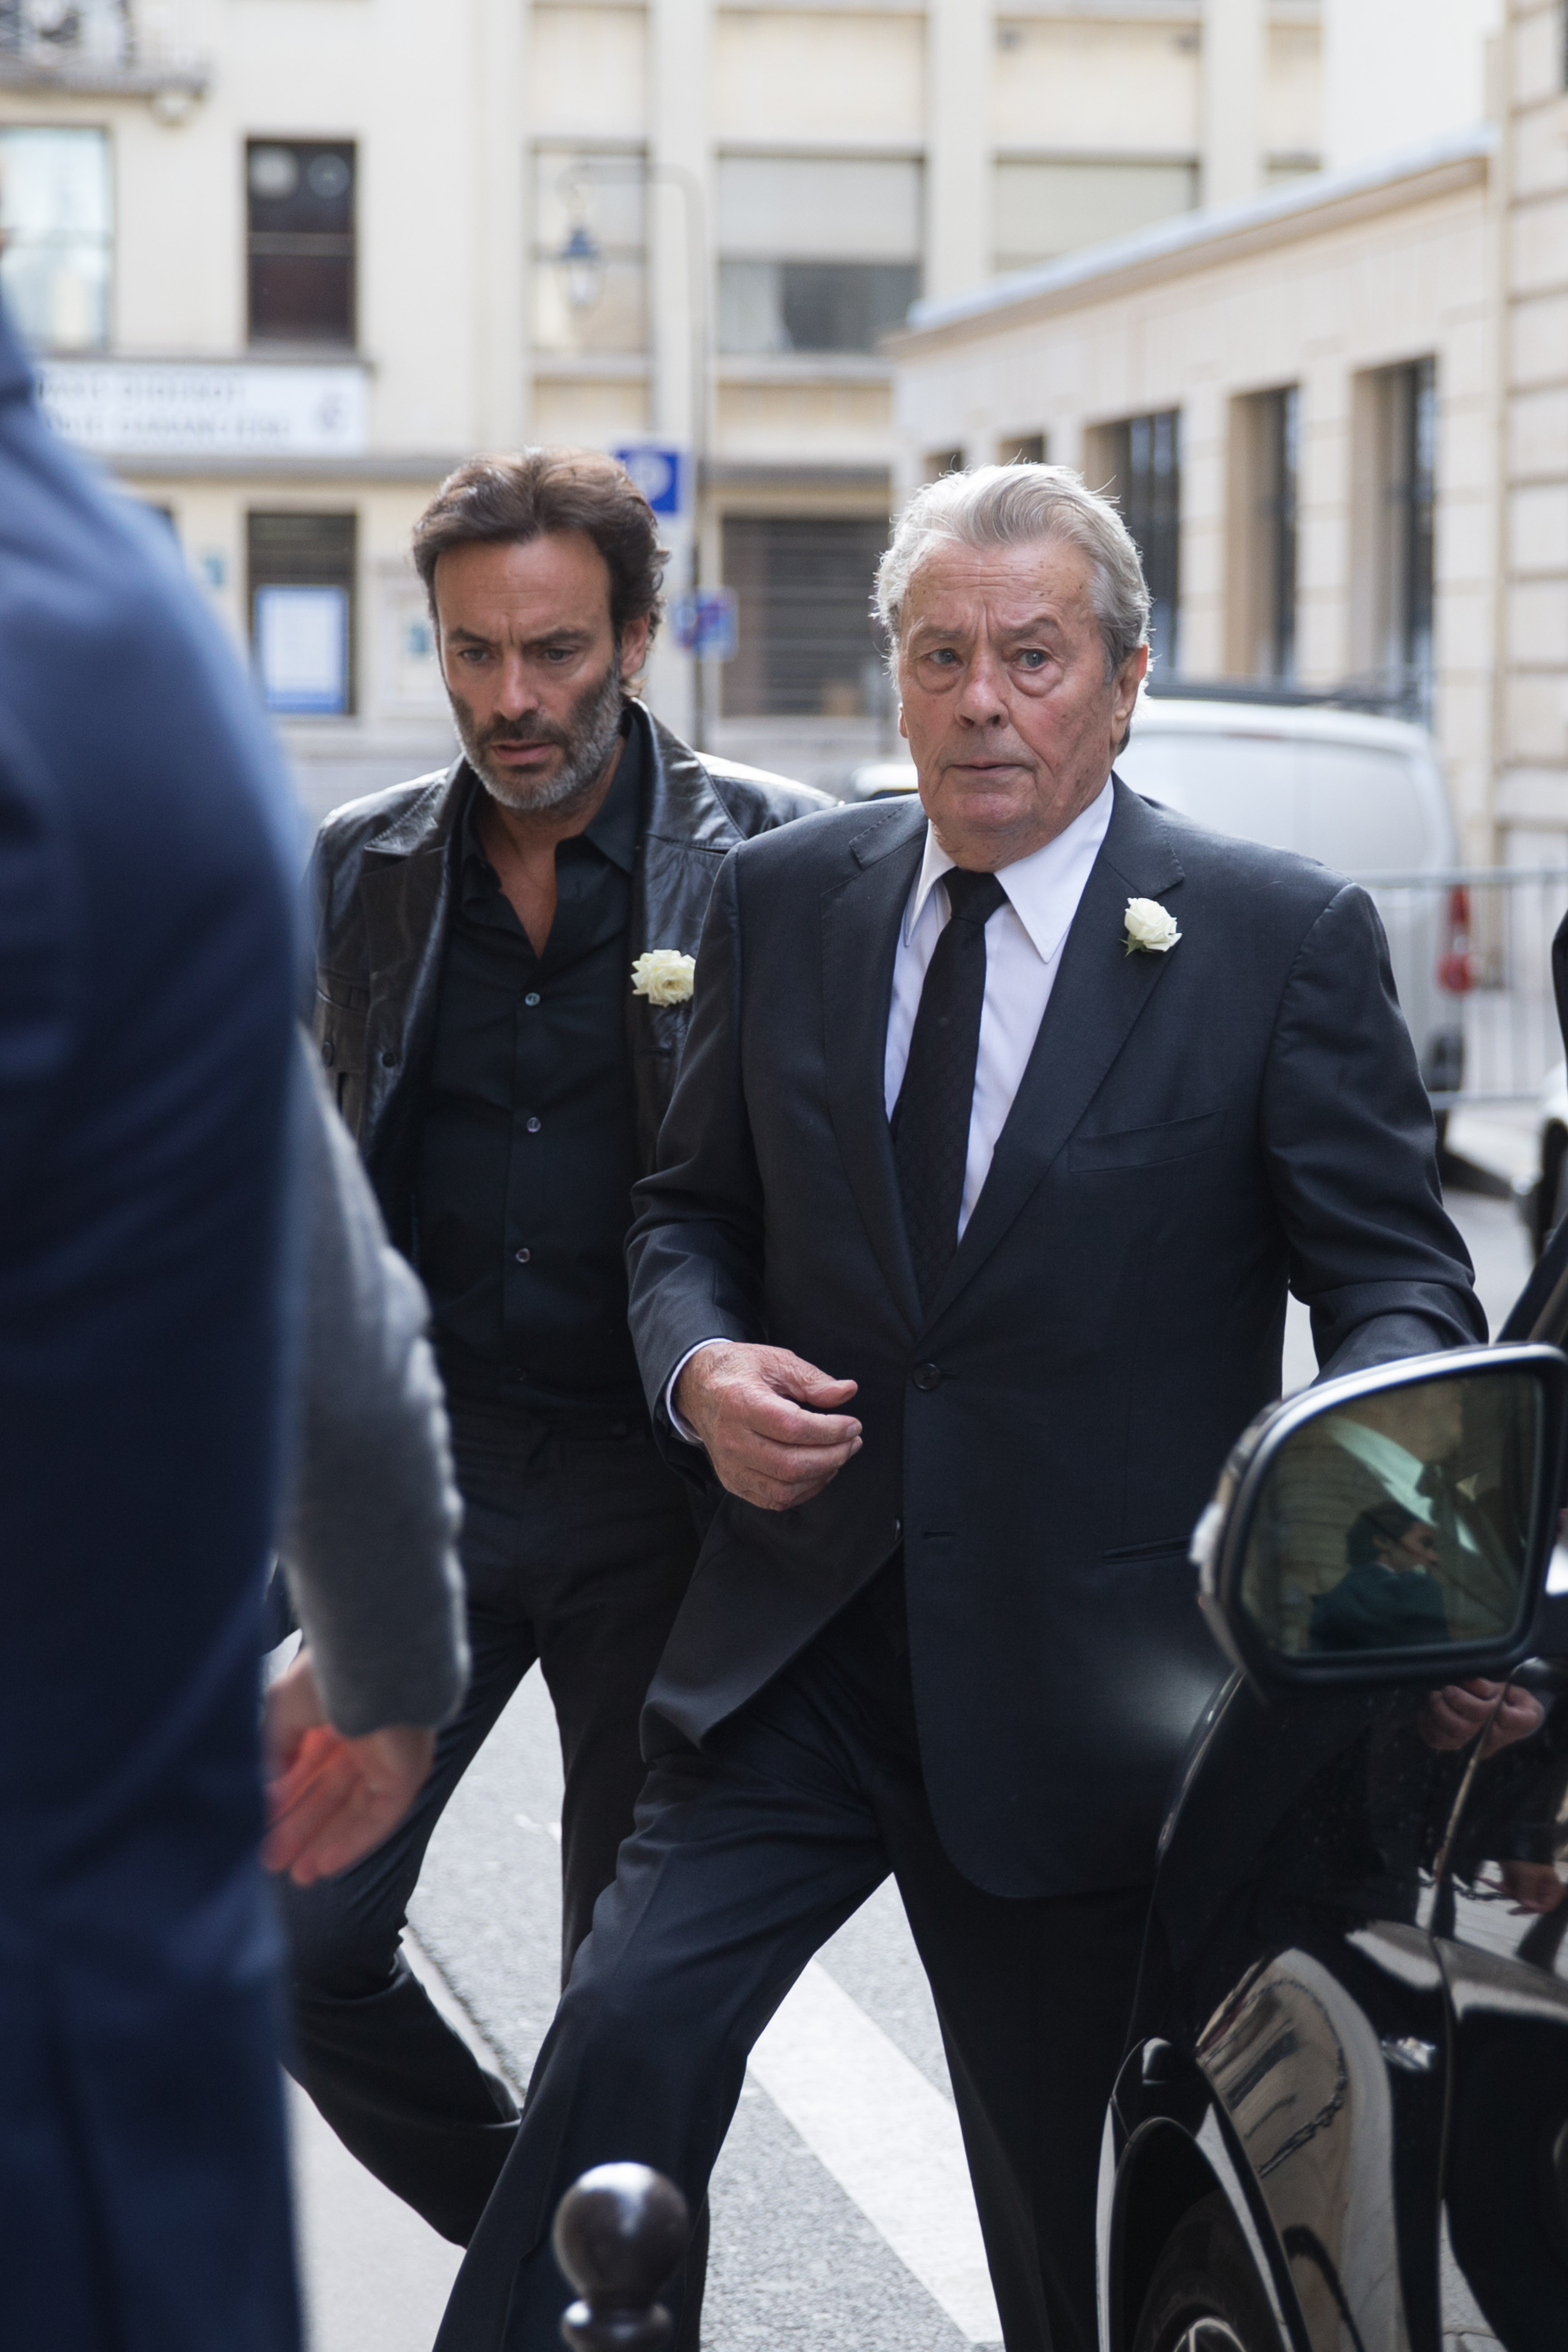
532, 996
534, 1125
523, 1257
926, 1376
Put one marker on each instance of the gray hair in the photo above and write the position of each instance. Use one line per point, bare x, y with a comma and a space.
1006, 506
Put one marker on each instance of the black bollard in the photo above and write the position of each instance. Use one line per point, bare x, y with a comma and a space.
619, 2232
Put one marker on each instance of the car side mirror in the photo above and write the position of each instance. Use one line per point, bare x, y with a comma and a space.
1394, 1525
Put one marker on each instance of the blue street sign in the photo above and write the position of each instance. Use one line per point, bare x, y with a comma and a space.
706, 623
659, 475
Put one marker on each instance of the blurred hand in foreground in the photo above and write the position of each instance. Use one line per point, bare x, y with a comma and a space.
330, 1800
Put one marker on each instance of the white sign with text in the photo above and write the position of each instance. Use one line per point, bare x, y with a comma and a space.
186, 408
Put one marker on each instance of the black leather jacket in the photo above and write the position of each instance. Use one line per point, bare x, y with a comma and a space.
383, 877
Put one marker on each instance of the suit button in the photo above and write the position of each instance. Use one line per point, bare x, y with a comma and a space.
927, 1377
328, 1051
390, 1059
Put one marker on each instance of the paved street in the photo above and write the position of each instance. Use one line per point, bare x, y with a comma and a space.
841, 2211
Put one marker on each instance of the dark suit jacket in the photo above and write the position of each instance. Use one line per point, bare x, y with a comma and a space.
384, 883
147, 857
1193, 1131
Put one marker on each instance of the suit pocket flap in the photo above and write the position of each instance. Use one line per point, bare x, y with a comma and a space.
1145, 1147
337, 988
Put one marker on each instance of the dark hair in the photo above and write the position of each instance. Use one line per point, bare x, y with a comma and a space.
1377, 1530
498, 499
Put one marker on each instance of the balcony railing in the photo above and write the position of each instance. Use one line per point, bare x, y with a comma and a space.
95, 45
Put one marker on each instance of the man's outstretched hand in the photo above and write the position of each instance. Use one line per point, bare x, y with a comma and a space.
331, 1799
749, 1406
1452, 1716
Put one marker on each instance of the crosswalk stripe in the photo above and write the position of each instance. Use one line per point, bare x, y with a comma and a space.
888, 2136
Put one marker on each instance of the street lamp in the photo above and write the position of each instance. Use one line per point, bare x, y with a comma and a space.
580, 259
583, 259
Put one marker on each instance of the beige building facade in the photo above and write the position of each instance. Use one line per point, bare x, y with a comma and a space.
1336, 414
286, 261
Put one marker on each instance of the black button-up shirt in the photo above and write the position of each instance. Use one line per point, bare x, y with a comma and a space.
528, 1152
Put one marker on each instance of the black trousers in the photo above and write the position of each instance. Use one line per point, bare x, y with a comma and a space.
576, 1553
745, 1860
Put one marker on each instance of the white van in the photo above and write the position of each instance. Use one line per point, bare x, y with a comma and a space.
1362, 796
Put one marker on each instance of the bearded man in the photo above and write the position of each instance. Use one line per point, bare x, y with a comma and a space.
505, 1075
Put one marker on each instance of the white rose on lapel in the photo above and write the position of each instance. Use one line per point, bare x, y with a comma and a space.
1150, 929
664, 976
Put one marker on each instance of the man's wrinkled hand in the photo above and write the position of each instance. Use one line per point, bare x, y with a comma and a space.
1534, 1888
1452, 1716
331, 1801
768, 1420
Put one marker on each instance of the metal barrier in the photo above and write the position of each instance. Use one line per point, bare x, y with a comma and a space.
1473, 957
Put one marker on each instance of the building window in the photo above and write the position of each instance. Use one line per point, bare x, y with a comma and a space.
1394, 537
1260, 569
1022, 449
805, 643
1138, 464
938, 462
589, 252
303, 610
816, 254
1048, 207
300, 212
56, 224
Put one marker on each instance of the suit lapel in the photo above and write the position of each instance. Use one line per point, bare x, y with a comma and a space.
861, 916
1099, 991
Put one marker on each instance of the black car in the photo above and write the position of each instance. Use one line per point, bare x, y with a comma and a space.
1342, 2125
1343, 2122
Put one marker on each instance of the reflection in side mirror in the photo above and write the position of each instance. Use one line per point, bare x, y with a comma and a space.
1394, 1521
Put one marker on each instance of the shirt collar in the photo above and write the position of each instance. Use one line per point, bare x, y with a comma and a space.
617, 822
1044, 889
1394, 1465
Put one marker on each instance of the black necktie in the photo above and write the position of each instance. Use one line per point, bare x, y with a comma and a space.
931, 1118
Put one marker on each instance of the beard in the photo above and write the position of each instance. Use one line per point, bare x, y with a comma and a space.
587, 744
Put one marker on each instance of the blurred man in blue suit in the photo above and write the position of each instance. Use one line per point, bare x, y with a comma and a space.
146, 1078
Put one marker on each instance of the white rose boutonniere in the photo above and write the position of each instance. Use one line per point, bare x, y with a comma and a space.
1150, 929
664, 976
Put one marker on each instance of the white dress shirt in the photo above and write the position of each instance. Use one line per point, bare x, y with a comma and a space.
1023, 941
1397, 1469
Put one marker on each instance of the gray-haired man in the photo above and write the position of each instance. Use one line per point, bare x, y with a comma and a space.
971, 1143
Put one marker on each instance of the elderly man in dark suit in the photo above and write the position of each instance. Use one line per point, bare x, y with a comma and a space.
1006, 1117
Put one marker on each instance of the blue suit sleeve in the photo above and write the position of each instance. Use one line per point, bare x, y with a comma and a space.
39, 923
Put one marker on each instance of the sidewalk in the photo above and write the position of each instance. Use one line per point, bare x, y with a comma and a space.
373, 2276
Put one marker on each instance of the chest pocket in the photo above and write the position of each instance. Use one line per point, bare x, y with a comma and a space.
1147, 1147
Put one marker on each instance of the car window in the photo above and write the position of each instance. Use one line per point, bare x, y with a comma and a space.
1243, 784
1362, 811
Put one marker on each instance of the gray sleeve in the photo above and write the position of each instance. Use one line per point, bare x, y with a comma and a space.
370, 1512
1384, 1341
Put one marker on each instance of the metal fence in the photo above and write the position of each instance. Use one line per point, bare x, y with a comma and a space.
1472, 956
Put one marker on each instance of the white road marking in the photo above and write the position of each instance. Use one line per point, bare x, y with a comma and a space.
889, 2137
547, 1829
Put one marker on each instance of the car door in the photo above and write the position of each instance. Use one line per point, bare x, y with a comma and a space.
1294, 1911
1320, 2041
1501, 1931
